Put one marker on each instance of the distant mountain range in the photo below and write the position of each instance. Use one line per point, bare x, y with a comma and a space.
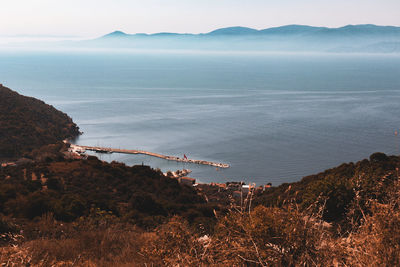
366, 29
350, 38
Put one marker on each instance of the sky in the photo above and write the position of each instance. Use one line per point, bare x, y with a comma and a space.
91, 18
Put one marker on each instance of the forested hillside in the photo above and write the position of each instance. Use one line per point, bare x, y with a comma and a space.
27, 123
340, 189
70, 189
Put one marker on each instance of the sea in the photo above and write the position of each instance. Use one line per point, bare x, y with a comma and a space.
274, 117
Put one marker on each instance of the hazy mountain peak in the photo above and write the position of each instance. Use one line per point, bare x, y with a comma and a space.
362, 26
237, 30
116, 34
368, 29
291, 29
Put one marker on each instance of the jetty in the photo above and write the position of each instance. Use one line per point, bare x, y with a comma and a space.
82, 149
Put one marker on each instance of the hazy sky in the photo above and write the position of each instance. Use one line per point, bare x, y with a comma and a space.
96, 17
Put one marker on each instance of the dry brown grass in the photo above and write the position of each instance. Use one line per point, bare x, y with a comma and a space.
14, 256
376, 242
273, 237
99, 248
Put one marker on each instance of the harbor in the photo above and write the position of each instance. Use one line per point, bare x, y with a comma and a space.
82, 149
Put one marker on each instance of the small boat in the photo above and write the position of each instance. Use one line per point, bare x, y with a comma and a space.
103, 151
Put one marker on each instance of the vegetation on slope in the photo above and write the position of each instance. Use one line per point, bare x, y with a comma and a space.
71, 189
27, 123
337, 188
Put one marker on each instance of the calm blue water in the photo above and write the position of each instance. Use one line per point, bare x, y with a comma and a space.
274, 118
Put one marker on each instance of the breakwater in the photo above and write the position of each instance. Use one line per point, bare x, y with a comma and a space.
79, 148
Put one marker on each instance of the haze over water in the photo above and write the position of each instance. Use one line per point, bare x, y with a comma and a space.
272, 117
